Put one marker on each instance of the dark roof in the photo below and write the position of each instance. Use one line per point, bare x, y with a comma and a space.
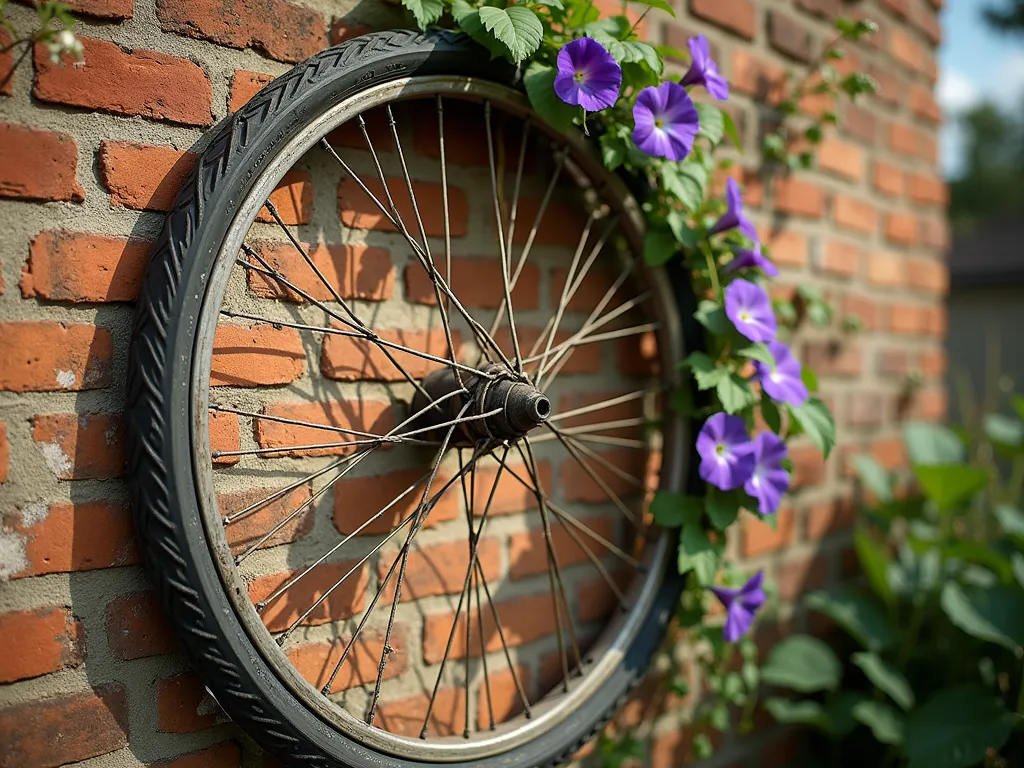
993, 253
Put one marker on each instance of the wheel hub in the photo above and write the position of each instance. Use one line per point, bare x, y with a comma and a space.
502, 406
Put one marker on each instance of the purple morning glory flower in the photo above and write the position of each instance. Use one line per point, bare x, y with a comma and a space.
703, 70
734, 216
769, 480
741, 605
587, 76
665, 121
785, 383
754, 259
726, 453
750, 310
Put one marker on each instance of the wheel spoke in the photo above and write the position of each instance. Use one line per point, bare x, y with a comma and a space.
610, 466
482, 579
447, 229
638, 394
635, 330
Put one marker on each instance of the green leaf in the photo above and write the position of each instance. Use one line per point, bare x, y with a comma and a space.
729, 126
711, 315
809, 378
687, 181
804, 712
886, 724
672, 510
686, 235
885, 678
1018, 405
724, 506
540, 87
1004, 429
875, 563
704, 370
734, 393
698, 554
1017, 565
951, 484
802, 663
979, 553
681, 401
873, 476
932, 444
857, 613
425, 11
711, 125
770, 414
613, 150
1011, 519
516, 26
956, 727
815, 419
758, 351
661, 5
993, 614
659, 246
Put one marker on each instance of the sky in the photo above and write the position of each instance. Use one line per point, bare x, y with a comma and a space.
975, 63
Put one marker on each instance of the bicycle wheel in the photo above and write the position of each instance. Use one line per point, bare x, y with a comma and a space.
392, 438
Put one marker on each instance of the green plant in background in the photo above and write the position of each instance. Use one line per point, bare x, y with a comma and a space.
936, 637
54, 31
579, 69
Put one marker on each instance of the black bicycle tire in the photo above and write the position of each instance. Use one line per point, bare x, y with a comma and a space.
166, 511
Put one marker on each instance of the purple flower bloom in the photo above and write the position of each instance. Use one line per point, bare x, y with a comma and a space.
754, 259
703, 70
741, 605
587, 76
665, 121
750, 310
726, 453
785, 383
769, 480
734, 216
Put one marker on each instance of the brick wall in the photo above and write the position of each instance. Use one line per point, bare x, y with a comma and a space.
91, 156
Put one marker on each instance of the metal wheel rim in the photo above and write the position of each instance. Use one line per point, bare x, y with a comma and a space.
609, 649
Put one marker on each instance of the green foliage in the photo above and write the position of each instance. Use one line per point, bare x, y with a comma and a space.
802, 663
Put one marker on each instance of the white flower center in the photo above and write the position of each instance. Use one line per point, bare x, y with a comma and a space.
745, 316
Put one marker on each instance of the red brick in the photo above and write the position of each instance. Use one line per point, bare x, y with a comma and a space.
809, 468
789, 37
885, 269
829, 517
226, 755
143, 176
826, 9
931, 404
245, 85
906, 50
585, 358
141, 82
926, 20
316, 660
578, 484
889, 452
45, 356
863, 309
503, 698
799, 197
841, 259
357, 499
347, 358
368, 416
928, 276
358, 211
736, 16
909, 141
898, 7
901, 228
256, 355
854, 215
759, 537
887, 179
38, 165
906, 319
893, 362
47, 640
292, 198
932, 363
184, 706
754, 76
927, 190
6, 63
103, 9
224, 436
786, 246
511, 495
283, 30
83, 267
136, 627
933, 320
354, 271
64, 729
81, 446
523, 620
471, 147
5, 453
477, 283
798, 575
890, 85
935, 232
81, 536
251, 528
342, 30
528, 554
923, 104
405, 716
438, 569
834, 358
841, 158
859, 123
865, 409
345, 601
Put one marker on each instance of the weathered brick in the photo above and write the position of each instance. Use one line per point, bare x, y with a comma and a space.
826, 9
887, 179
906, 50
65, 729
759, 537
528, 555
226, 755
366, 416
928, 276
841, 158
511, 495
44, 356
6, 64
342, 30
809, 467
345, 600
406, 716
256, 355
865, 409
354, 271
283, 30
787, 246
927, 189
885, 269
358, 211
245, 85
81, 446
799, 197
931, 404
756, 77
893, 363
316, 660
224, 436
906, 319
864, 309
933, 363
798, 575
890, 85
853, 214
789, 37
84, 267
901, 228
935, 232
439, 569
477, 283
48, 640
834, 358
358, 499
924, 105
136, 627
141, 82
828, 517
859, 123
907, 140
523, 620
347, 358
184, 706
736, 16
251, 529
38, 165
143, 176
5, 453
103, 9
840, 258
